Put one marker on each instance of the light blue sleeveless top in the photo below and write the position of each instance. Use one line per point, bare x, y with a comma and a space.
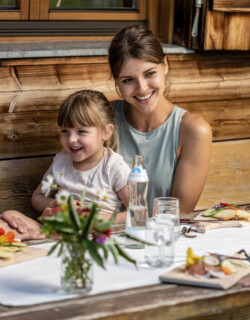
158, 147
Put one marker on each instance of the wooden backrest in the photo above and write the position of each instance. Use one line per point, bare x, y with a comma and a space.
215, 87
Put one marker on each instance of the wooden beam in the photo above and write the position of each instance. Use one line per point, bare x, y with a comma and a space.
231, 5
236, 32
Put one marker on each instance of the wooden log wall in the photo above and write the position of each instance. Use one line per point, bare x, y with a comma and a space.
214, 86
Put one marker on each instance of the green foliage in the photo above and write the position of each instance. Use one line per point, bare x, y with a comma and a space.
88, 233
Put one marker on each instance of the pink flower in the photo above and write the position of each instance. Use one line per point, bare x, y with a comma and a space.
101, 239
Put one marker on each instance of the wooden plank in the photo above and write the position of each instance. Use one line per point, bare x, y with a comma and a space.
9, 15
166, 23
53, 61
34, 9
225, 31
24, 8
158, 302
231, 5
236, 32
8, 80
57, 76
228, 177
52, 38
214, 30
153, 14
228, 119
44, 9
223, 76
29, 134
19, 178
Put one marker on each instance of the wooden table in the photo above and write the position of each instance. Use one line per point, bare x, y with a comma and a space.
158, 302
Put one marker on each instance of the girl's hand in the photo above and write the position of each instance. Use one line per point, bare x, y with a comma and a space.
50, 210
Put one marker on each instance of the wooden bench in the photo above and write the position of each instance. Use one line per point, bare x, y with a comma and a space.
214, 86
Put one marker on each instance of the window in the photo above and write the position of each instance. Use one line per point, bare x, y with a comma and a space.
50, 18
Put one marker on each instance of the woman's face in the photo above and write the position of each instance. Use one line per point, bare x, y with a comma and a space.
142, 83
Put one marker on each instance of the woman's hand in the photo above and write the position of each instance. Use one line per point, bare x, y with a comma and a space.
24, 227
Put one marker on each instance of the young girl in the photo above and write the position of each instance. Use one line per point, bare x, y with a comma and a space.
88, 161
176, 145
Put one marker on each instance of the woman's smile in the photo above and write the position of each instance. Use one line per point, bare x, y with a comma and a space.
144, 98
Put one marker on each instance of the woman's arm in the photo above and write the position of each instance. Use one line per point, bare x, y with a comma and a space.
194, 153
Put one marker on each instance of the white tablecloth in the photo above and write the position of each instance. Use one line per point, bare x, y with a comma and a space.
38, 281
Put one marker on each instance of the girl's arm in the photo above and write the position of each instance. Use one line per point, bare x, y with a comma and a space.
194, 153
39, 201
121, 216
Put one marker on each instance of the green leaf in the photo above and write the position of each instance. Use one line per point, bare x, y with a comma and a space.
103, 226
74, 214
53, 248
92, 249
113, 217
82, 197
124, 254
89, 221
114, 252
105, 251
129, 236
61, 249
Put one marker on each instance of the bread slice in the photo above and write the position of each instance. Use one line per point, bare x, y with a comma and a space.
243, 214
226, 214
232, 214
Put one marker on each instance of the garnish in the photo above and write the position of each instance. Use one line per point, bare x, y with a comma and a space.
8, 244
208, 266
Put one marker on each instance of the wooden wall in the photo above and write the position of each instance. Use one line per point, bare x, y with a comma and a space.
215, 86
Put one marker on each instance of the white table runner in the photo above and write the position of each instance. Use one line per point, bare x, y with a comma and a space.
38, 281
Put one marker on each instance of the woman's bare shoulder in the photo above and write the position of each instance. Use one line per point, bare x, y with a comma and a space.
193, 125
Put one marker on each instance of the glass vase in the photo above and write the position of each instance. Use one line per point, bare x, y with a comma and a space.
76, 269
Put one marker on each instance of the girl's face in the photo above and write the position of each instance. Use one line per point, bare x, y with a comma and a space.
83, 144
142, 83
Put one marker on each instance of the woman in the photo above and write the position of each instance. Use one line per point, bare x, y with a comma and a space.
176, 145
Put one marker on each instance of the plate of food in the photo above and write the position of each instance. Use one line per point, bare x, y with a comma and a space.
226, 212
211, 270
222, 215
15, 251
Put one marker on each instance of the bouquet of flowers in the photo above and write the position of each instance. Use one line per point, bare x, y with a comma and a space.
84, 235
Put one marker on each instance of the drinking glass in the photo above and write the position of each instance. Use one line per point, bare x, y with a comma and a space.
168, 207
160, 234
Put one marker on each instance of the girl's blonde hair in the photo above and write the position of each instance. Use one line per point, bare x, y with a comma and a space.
88, 108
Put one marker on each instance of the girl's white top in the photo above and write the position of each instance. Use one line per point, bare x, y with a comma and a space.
101, 182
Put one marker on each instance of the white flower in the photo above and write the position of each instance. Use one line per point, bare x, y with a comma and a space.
62, 196
48, 185
102, 195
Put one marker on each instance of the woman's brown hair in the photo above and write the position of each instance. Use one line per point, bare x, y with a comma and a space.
137, 42
88, 108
